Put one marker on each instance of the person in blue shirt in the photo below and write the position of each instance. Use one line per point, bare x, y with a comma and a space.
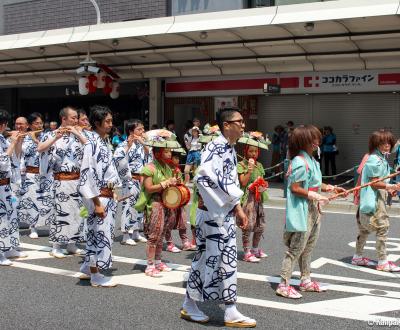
302, 210
372, 214
329, 150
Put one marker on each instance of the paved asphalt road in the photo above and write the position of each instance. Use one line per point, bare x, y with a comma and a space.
41, 293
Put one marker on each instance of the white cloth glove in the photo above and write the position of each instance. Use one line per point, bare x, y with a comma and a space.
314, 196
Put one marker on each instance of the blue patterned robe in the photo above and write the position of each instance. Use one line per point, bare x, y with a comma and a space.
97, 171
128, 163
65, 155
213, 275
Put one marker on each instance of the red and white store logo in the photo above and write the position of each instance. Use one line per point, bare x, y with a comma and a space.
311, 81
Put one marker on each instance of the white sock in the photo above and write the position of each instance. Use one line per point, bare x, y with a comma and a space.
356, 256
33, 230
158, 262
306, 280
191, 307
56, 246
125, 237
231, 313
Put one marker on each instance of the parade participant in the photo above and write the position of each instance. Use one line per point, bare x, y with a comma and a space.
130, 157
213, 274
372, 215
251, 173
36, 203
21, 124
158, 176
99, 177
302, 210
177, 218
193, 146
9, 227
61, 155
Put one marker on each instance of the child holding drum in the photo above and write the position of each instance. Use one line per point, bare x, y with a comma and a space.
158, 175
177, 218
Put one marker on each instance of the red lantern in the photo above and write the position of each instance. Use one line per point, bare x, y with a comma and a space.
101, 82
92, 83
83, 86
108, 86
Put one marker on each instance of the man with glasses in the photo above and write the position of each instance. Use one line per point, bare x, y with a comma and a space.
213, 275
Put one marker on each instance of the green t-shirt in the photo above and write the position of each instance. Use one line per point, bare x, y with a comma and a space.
158, 173
303, 169
375, 167
242, 168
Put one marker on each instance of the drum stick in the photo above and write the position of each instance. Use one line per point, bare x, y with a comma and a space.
364, 185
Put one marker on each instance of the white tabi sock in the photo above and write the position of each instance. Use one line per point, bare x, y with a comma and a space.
190, 306
356, 256
232, 314
125, 237
382, 262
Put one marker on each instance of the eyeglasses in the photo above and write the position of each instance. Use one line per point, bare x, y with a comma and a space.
239, 121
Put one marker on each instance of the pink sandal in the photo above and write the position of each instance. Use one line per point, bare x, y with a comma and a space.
152, 271
162, 267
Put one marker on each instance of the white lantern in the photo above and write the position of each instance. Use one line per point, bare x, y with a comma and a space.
83, 86
115, 90
101, 79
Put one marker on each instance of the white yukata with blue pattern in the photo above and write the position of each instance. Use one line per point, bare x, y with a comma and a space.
128, 163
9, 226
36, 204
65, 155
213, 275
97, 171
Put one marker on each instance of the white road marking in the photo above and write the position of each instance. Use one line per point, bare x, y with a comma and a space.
322, 261
356, 308
325, 211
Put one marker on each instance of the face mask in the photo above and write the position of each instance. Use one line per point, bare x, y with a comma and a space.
318, 149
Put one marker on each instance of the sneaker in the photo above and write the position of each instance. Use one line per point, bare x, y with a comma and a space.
162, 267
287, 291
312, 286
188, 247
362, 262
33, 234
100, 281
388, 266
259, 253
57, 253
73, 249
129, 241
248, 257
172, 248
141, 239
15, 254
4, 261
152, 271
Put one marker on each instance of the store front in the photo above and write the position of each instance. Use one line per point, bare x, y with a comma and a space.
353, 103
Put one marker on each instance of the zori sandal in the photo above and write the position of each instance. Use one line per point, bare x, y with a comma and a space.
197, 318
245, 322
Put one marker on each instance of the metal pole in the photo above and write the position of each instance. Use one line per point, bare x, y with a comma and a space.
96, 6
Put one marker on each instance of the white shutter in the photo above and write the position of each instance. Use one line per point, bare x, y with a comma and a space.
278, 110
353, 118
345, 112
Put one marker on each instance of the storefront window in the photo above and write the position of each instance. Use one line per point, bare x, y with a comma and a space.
184, 7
